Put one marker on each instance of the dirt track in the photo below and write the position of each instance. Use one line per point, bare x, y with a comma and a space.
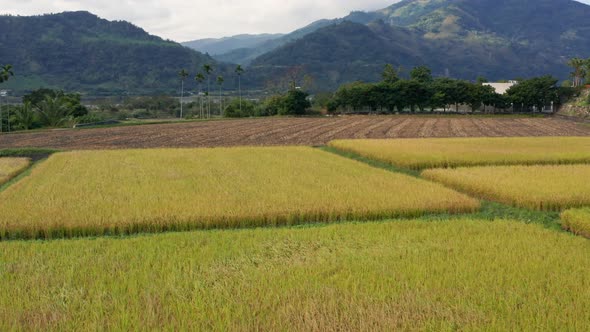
289, 131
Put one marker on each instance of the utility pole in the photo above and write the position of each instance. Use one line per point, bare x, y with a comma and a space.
3, 94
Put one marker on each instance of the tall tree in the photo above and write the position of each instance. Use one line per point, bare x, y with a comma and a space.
5, 73
240, 71
579, 71
183, 74
200, 78
208, 70
390, 75
421, 74
220, 81
24, 116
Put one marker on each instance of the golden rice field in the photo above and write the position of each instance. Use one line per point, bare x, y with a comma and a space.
577, 221
546, 187
455, 152
396, 275
121, 192
10, 167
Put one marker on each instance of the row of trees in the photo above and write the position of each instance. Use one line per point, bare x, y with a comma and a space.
294, 102
422, 92
201, 77
581, 71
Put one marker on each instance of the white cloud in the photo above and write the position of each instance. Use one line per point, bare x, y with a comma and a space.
184, 20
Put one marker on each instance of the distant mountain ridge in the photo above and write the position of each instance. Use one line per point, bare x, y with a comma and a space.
499, 39
217, 46
79, 51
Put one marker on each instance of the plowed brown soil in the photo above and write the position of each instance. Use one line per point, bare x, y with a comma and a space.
289, 131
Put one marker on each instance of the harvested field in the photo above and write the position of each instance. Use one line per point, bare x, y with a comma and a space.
290, 131
120, 192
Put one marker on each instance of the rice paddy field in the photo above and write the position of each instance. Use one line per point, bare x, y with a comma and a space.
396, 275
545, 187
577, 221
455, 152
357, 236
10, 167
121, 192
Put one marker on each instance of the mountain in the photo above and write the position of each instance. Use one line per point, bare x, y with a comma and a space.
245, 55
498, 39
78, 51
217, 46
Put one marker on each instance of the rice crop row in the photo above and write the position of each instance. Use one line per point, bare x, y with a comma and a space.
132, 191
577, 221
456, 152
10, 167
399, 275
547, 187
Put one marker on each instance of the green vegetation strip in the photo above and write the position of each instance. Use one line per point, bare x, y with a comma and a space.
133, 191
577, 221
401, 275
455, 152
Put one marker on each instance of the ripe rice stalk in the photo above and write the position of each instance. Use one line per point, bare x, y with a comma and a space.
577, 221
10, 167
132, 191
544, 187
420, 154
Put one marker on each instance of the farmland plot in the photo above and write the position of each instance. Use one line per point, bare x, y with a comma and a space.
577, 221
548, 187
398, 275
131, 191
456, 152
291, 131
9, 167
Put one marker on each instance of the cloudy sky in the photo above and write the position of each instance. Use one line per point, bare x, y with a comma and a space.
184, 20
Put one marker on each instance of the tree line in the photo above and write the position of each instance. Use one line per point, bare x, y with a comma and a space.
421, 92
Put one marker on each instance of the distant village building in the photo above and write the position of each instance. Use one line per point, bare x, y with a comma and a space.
502, 88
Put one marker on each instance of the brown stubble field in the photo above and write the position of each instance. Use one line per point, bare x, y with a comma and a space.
289, 131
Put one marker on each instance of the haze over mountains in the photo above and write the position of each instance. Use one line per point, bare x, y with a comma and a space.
498, 39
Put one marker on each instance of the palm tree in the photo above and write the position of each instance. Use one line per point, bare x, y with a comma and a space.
208, 70
183, 75
5, 73
220, 84
25, 116
240, 71
54, 111
579, 70
200, 78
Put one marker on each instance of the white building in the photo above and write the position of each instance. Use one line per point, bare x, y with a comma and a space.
501, 88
